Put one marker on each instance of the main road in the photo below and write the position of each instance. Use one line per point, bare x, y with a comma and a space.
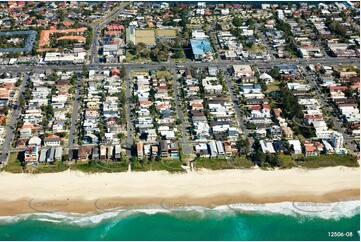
221, 63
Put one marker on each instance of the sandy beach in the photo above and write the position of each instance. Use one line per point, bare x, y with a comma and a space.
78, 192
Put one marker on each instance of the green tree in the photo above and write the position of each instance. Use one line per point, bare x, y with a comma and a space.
123, 72
237, 21
275, 73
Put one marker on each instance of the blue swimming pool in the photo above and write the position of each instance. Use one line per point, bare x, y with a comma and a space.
175, 156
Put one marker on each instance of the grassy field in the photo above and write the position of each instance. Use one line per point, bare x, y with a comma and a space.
327, 160
146, 36
139, 72
257, 48
287, 161
99, 166
273, 86
46, 168
170, 165
240, 162
131, 58
164, 74
166, 32
14, 164
346, 68
180, 60
222, 163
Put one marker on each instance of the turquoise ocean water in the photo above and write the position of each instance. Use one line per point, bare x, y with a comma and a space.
281, 221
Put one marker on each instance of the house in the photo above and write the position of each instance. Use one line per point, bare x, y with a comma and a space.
310, 149
242, 71
174, 149
58, 153
117, 152
163, 148
95, 153
34, 141
110, 150
275, 132
52, 140
50, 155
213, 148
199, 34
281, 146
103, 152
83, 152
202, 150
287, 132
296, 146
155, 150
267, 147
328, 147
31, 154
266, 78
140, 152
220, 148
260, 133
42, 157
228, 149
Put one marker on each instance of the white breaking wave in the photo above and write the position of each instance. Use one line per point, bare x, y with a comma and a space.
322, 210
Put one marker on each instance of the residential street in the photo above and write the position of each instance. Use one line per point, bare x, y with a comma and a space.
94, 59
187, 149
11, 125
235, 101
130, 128
75, 114
347, 139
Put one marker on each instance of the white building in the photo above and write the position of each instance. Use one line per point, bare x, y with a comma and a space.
296, 145
267, 147
199, 34
65, 57
337, 141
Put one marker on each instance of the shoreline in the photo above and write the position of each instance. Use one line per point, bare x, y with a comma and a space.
82, 193
31, 206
